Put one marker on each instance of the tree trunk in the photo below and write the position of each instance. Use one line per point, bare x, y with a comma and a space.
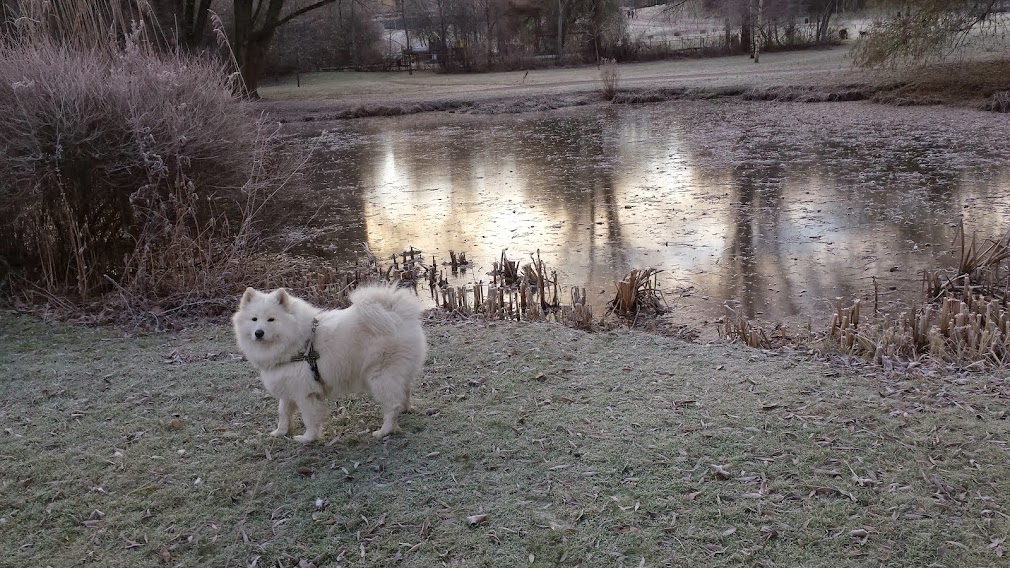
252, 41
354, 38
255, 54
406, 36
243, 27
745, 31
561, 37
200, 22
251, 44
824, 20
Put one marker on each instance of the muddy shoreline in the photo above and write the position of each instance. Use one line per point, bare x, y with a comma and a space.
311, 111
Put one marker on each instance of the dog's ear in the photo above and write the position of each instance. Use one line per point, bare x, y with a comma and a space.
247, 297
282, 297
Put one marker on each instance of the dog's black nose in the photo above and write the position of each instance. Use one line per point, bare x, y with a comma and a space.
259, 334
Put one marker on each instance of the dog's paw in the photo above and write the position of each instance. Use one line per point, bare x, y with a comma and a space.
379, 434
304, 439
278, 433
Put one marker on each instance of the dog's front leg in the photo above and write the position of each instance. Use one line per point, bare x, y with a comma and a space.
285, 410
314, 413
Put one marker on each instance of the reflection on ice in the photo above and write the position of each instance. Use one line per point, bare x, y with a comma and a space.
781, 206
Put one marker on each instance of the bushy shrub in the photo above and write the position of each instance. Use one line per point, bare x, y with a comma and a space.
119, 162
610, 78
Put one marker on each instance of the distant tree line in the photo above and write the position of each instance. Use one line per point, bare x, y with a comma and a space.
281, 36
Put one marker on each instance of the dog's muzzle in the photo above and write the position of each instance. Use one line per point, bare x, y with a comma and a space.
258, 334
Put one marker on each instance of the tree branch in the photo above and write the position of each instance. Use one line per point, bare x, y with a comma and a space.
299, 12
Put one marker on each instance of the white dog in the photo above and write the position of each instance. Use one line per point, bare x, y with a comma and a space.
305, 354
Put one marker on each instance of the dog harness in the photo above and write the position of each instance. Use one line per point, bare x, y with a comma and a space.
310, 356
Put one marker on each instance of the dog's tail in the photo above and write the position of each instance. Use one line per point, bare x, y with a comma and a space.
385, 308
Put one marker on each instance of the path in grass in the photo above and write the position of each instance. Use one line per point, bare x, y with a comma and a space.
531, 445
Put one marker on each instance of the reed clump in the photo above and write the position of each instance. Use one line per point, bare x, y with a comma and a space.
963, 320
517, 291
514, 293
638, 292
737, 326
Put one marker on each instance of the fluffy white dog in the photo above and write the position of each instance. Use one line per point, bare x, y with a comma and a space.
305, 354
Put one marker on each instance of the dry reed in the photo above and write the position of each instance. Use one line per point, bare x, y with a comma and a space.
638, 292
737, 326
964, 320
526, 293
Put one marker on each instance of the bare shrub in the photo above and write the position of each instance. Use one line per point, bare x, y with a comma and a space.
610, 77
999, 102
124, 167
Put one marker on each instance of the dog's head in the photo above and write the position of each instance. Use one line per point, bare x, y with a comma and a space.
264, 318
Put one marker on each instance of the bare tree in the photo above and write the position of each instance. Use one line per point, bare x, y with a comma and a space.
343, 34
923, 31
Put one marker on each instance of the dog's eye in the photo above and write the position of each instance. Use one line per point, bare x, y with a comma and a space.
254, 319
271, 319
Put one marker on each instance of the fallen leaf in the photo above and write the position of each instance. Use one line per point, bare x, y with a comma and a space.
729, 531
478, 519
175, 424
721, 472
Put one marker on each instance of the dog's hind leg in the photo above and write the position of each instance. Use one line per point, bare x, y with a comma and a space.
393, 396
314, 414
285, 410
388, 423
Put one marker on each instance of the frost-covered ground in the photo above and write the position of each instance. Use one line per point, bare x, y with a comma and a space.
532, 445
829, 66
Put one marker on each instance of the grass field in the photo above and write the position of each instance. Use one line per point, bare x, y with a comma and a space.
531, 445
810, 67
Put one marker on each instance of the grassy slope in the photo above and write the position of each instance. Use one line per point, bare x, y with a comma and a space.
810, 67
590, 450
792, 75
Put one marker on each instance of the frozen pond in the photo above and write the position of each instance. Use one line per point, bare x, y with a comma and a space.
781, 206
